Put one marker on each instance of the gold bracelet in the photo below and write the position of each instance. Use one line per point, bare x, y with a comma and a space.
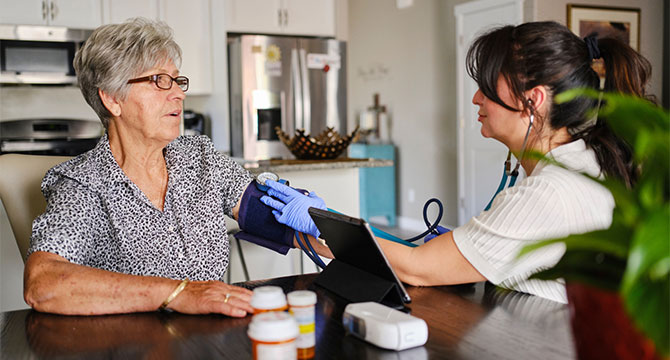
174, 294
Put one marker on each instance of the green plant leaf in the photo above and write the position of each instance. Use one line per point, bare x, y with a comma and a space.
640, 222
651, 245
647, 304
647, 295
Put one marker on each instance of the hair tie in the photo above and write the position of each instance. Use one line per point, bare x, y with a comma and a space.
592, 46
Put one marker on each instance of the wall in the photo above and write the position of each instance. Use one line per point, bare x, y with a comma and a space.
408, 57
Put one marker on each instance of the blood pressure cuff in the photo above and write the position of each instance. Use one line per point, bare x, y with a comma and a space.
259, 225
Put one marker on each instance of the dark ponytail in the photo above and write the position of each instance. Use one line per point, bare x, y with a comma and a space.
626, 71
549, 54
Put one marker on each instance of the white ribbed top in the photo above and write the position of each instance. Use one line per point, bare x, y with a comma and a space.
552, 202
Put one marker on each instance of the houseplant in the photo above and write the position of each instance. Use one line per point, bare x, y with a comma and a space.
627, 265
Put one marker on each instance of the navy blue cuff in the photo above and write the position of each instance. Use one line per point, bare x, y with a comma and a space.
259, 225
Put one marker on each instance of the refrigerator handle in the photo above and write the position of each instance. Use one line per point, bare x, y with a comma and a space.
307, 115
297, 93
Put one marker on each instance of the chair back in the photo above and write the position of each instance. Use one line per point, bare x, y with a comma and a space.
20, 179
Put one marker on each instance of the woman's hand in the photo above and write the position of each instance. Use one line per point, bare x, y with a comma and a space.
205, 297
292, 207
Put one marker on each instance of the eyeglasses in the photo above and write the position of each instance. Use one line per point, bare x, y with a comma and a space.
164, 81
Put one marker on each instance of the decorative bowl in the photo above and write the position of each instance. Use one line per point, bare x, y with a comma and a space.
327, 145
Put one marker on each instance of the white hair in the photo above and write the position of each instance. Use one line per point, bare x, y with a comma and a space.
116, 53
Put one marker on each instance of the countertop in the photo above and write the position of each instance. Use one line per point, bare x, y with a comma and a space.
283, 166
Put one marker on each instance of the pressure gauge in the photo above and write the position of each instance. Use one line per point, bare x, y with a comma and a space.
262, 177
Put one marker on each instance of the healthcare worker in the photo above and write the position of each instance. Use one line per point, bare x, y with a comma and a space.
519, 70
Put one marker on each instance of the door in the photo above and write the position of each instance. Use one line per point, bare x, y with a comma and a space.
118, 11
77, 14
309, 17
480, 160
254, 16
26, 12
323, 71
190, 21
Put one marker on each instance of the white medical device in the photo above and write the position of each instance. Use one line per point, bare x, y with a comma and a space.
383, 326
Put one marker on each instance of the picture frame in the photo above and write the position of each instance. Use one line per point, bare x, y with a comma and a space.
618, 22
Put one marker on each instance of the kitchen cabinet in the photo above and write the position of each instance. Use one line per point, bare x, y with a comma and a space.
76, 14
191, 23
289, 17
117, 11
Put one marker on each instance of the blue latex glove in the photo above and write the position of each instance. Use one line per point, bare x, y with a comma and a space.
440, 229
291, 208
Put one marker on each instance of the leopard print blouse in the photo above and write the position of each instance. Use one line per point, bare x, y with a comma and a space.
96, 216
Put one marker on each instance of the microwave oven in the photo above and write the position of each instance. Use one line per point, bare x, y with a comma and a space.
39, 54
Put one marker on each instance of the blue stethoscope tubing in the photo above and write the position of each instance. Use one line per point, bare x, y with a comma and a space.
503, 184
379, 233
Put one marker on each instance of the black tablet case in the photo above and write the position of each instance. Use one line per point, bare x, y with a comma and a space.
359, 271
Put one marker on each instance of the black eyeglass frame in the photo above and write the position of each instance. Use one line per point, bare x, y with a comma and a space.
154, 79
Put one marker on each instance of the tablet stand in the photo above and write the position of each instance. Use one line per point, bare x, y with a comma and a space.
358, 285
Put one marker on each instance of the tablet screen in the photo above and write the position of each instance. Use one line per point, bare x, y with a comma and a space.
351, 241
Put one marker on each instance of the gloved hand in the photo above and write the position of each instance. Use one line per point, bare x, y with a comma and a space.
291, 208
440, 229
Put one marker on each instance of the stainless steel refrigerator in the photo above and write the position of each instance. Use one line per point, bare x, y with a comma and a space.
290, 82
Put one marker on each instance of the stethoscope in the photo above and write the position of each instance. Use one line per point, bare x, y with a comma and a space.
512, 175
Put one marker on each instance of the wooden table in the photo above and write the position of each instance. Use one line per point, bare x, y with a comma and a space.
465, 322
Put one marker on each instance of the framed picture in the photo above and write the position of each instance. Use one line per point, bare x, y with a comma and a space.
619, 23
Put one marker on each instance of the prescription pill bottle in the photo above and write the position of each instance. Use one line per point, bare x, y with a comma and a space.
302, 305
273, 336
268, 298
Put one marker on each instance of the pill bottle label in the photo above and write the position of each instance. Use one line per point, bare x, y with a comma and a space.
304, 316
276, 351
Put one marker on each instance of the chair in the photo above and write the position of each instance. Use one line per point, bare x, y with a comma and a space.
20, 179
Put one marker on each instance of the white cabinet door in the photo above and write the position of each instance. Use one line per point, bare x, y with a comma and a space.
309, 17
254, 16
77, 14
26, 12
290, 17
190, 21
117, 11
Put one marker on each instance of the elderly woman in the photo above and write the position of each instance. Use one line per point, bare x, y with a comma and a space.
128, 223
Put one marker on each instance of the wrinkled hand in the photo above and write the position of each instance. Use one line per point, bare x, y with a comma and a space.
291, 208
209, 297
440, 229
